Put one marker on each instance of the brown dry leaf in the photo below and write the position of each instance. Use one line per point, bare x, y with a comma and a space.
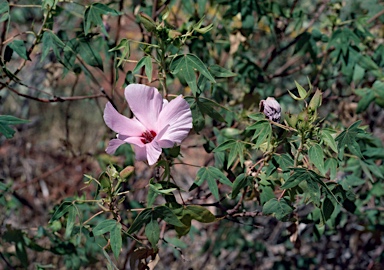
235, 41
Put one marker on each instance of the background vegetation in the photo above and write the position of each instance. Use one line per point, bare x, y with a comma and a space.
241, 192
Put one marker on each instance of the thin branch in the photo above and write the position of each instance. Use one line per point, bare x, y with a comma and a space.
54, 99
376, 16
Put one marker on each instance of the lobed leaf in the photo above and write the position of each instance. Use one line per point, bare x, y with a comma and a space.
236, 150
51, 41
211, 174
93, 16
186, 65
278, 208
147, 63
240, 182
6, 121
19, 47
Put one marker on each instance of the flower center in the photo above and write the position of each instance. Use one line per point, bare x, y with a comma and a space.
148, 136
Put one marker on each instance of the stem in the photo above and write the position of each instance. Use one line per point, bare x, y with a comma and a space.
299, 150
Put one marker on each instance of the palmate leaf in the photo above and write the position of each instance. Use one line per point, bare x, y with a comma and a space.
263, 132
147, 63
348, 138
200, 107
220, 72
51, 41
211, 174
83, 46
278, 208
6, 121
162, 212
236, 150
186, 66
93, 16
312, 179
19, 47
112, 227
240, 182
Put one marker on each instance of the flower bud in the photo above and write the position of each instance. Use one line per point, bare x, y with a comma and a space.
316, 100
147, 21
271, 108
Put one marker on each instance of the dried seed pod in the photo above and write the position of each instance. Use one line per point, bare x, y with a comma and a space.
271, 108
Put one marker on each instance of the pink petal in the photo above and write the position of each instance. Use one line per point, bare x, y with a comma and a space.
153, 152
175, 122
120, 123
135, 140
113, 145
145, 102
140, 152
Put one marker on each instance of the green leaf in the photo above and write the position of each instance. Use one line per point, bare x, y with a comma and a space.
70, 221
313, 191
167, 215
236, 150
124, 44
327, 208
4, 10
347, 138
198, 117
241, 182
89, 54
141, 219
220, 72
152, 231
116, 239
199, 213
296, 178
263, 132
278, 208
206, 106
185, 67
93, 16
358, 73
299, 175
61, 211
51, 41
147, 63
328, 139
190, 212
6, 121
302, 92
19, 47
331, 165
367, 98
211, 174
266, 194
316, 156
106, 226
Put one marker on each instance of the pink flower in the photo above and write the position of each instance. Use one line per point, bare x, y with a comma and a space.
157, 124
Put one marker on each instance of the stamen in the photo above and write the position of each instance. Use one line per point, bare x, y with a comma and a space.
148, 136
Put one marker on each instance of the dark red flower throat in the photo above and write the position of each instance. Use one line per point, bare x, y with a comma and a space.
148, 136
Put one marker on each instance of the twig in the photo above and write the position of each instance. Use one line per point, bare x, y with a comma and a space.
54, 99
377, 15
